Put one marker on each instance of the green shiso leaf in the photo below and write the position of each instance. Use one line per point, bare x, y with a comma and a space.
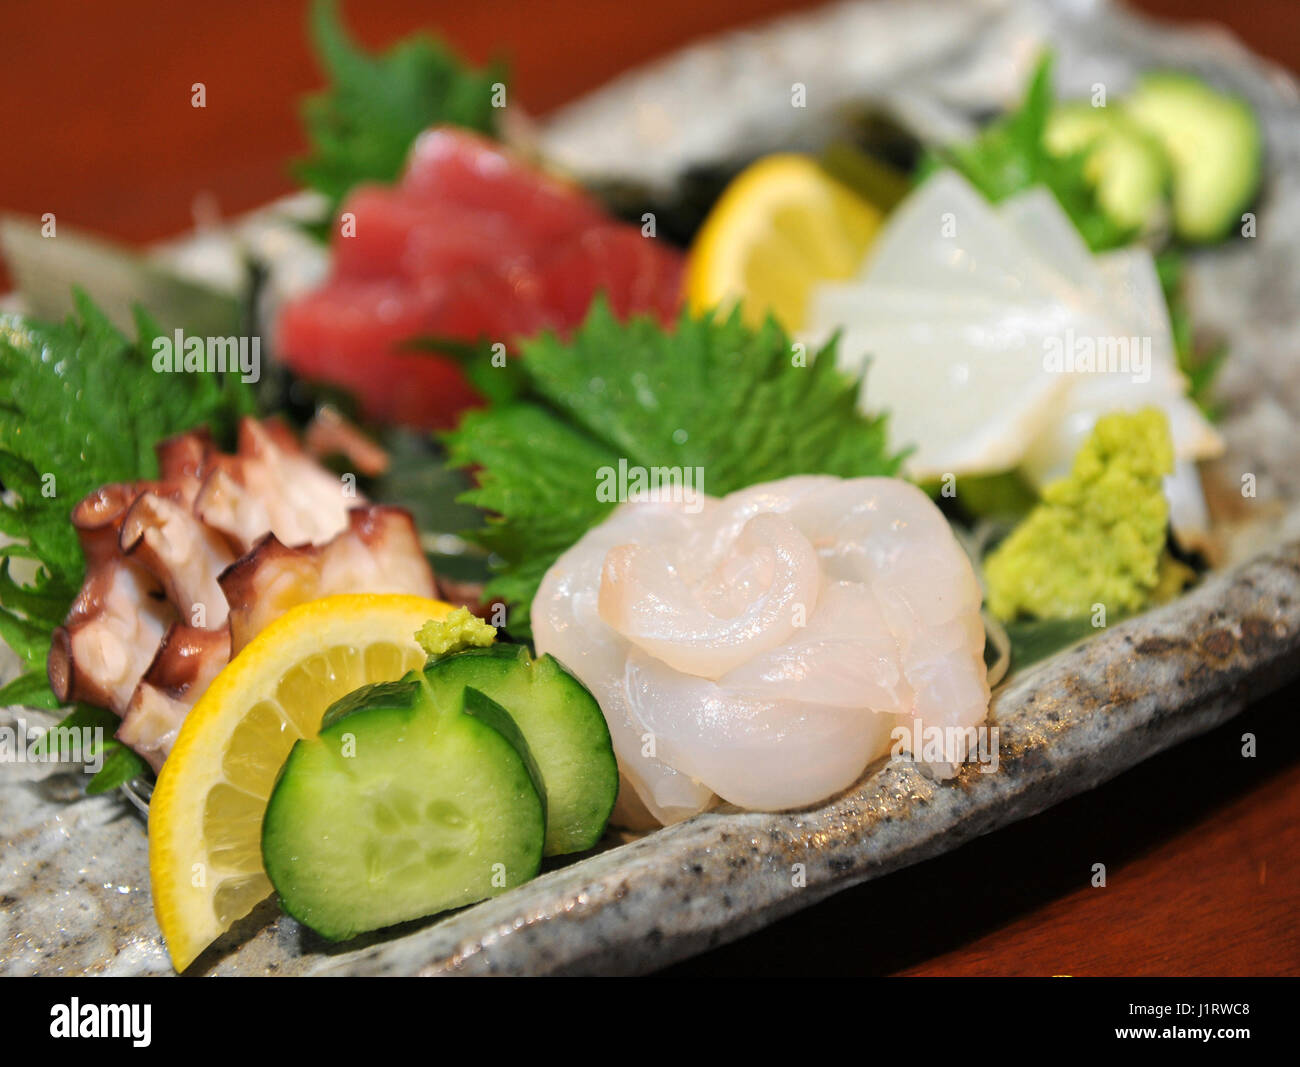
361, 127
740, 404
83, 408
1009, 155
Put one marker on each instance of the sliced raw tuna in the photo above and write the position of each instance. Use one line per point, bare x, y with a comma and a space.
636, 274
472, 245
350, 333
476, 173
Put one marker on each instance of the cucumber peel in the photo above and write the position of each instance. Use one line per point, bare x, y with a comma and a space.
562, 723
1214, 143
438, 790
483, 707
400, 809
1125, 164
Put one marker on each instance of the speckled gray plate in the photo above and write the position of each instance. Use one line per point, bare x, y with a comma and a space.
73, 871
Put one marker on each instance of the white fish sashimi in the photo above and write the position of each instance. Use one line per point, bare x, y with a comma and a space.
745, 606
844, 657
566, 622
768, 754
890, 536
792, 626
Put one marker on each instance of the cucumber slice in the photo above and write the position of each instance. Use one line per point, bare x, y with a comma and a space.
564, 728
1214, 143
402, 807
1126, 165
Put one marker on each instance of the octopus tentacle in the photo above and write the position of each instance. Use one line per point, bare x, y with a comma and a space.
243, 537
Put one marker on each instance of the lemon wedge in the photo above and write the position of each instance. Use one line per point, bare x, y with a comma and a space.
205, 817
782, 225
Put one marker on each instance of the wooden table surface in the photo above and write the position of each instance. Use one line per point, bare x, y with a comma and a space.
1202, 846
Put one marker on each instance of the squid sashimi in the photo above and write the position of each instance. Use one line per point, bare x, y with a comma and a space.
960, 308
763, 647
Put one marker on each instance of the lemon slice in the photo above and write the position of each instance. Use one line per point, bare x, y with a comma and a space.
205, 817
782, 225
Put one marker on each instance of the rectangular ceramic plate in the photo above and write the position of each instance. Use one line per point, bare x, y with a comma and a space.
74, 891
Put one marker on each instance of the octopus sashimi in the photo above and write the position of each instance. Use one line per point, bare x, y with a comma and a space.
183, 572
762, 648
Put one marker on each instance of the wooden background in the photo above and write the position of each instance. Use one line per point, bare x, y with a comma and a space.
1202, 847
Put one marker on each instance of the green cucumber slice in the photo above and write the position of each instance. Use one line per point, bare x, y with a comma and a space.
402, 807
562, 724
1125, 164
1213, 141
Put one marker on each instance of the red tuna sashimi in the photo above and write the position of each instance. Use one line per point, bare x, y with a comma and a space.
472, 245
478, 174
395, 234
349, 334
636, 274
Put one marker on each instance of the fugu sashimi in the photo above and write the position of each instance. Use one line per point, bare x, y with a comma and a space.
571, 616
881, 628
